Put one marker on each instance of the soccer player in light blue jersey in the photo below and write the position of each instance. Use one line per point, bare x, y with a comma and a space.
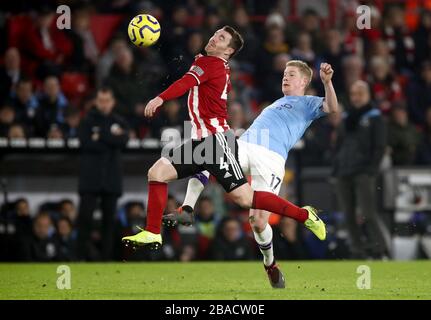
263, 150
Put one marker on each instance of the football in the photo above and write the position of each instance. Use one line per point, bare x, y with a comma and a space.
144, 30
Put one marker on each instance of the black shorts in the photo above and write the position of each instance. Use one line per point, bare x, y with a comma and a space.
217, 153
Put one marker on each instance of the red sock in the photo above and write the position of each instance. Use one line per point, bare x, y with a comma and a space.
157, 199
270, 202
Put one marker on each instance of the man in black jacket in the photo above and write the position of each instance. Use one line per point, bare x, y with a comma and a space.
361, 145
102, 135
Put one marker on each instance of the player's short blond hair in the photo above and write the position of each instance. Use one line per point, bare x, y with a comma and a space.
304, 69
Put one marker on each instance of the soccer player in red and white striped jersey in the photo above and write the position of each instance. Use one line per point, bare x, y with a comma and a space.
207, 101
208, 83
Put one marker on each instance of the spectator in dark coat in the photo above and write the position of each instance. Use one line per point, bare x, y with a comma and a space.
422, 37
170, 117
67, 209
51, 107
47, 47
270, 92
24, 102
288, 244
419, 94
85, 52
360, 148
72, 119
7, 119
10, 73
320, 140
42, 246
66, 241
102, 135
403, 137
207, 220
399, 38
17, 131
274, 44
125, 82
424, 148
184, 57
16, 226
129, 216
242, 23
334, 54
230, 243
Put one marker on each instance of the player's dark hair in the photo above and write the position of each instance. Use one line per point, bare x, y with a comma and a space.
237, 42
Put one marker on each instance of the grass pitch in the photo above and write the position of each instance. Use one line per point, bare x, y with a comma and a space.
216, 280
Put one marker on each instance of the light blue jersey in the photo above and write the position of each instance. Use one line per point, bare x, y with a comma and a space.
282, 124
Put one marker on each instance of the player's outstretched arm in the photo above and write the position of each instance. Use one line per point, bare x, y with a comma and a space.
331, 102
175, 90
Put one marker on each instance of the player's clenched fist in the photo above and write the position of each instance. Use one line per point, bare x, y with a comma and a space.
326, 72
152, 106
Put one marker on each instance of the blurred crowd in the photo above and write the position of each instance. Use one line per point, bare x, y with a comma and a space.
48, 80
48, 75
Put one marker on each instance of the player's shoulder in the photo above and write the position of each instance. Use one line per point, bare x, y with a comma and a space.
312, 99
290, 100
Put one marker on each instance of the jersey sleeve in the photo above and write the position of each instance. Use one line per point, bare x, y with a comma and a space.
316, 107
201, 69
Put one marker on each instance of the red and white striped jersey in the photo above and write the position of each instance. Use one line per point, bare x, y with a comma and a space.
207, 101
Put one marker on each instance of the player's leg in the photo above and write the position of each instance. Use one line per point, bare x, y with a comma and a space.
163, 171
195, 187
262, 232
267, 171
159, 175
245, 197
184, 215
228, 172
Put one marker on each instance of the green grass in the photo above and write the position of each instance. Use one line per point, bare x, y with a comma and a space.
210, 280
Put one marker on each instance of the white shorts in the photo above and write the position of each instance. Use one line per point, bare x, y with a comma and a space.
265, 167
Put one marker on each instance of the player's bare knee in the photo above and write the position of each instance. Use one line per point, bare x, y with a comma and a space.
155, 173
242, 196
243, 200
